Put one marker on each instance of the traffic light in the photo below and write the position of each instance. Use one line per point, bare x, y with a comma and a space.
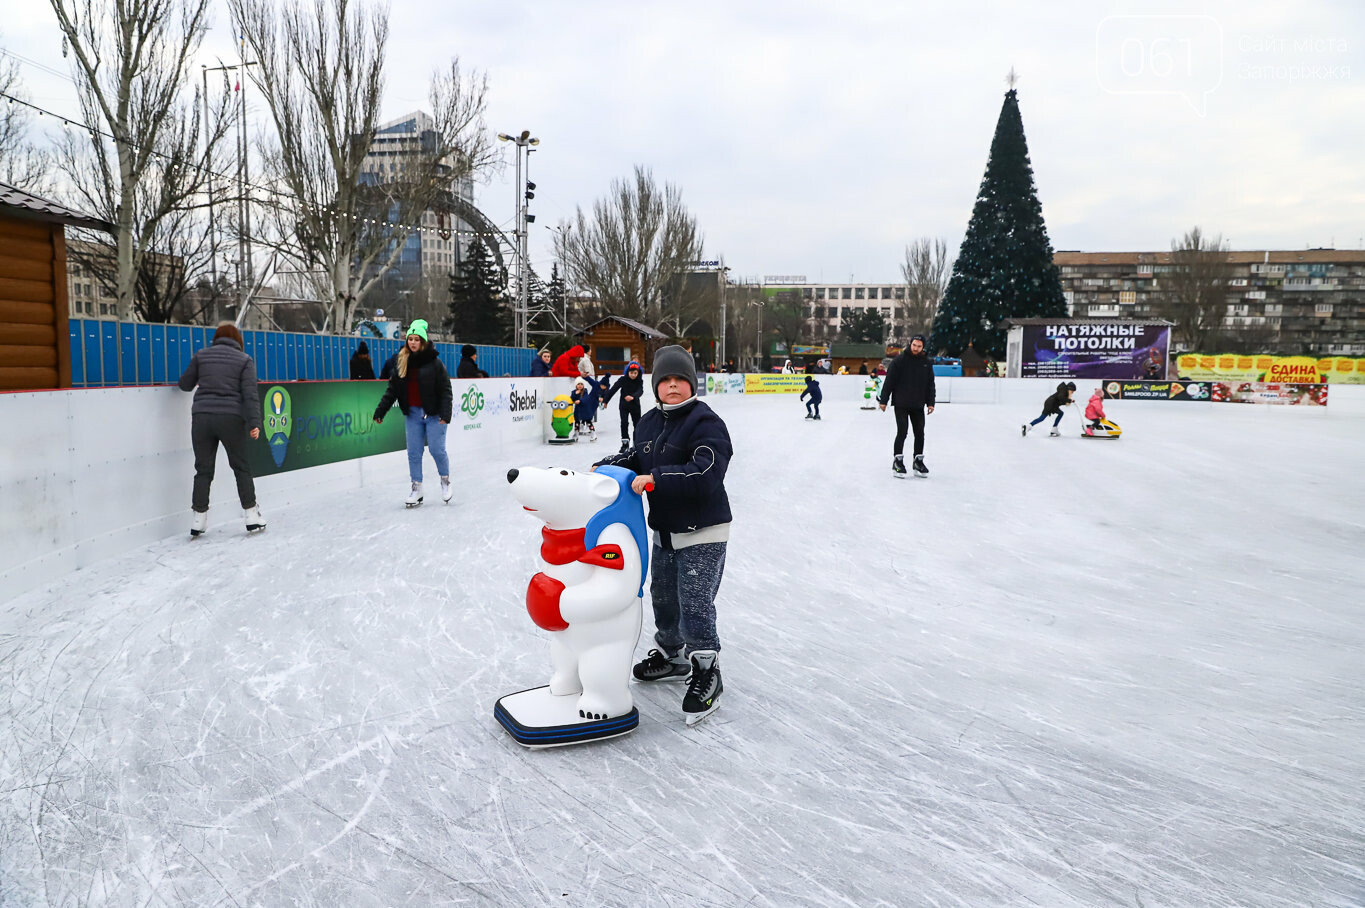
530, 190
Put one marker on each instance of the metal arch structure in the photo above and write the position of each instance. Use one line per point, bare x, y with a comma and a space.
471, 215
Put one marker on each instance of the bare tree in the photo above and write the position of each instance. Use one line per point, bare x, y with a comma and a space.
144, 161
786, 316
926, 271
635, 241
322, 73
1194, 292
22, 163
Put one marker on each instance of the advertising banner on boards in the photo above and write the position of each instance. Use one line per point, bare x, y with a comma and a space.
1131, 352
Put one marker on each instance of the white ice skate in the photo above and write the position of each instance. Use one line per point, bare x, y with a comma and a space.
254, 520
446, 490
414, 497
198, 523
1055, 433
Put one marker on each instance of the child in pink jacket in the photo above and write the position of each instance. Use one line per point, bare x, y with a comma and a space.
1094, 411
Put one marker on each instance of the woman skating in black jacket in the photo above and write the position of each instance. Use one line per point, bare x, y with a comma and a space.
420, 386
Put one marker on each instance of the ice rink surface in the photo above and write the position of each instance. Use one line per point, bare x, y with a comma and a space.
1059, 672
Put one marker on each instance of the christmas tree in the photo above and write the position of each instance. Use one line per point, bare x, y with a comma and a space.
1005, 266
478, 310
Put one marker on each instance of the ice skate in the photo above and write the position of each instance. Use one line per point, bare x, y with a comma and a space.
898, 465
592, 433
919, 466
817, 416
446, 490
1054, 433
625, 445
659, 666
703, 690
198, 523
1025, 428
414, 497
254, 520
810, 416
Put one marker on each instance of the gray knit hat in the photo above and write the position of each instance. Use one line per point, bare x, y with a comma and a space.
674, 360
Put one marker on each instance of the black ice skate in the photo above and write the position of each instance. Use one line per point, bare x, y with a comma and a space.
898, 465
920, 468
703, 691
625, 445
659, 666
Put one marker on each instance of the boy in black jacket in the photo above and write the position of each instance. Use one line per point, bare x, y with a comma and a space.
681, 452
631, 386
812, 405
909, 386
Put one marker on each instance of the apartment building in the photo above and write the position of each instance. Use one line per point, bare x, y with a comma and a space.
1289, 301
830, 303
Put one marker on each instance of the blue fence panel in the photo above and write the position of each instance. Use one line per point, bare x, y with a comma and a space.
109, 353
314, 358
175, 364
159, 370
201, 337
335, 367
142, 344
127, 353
186, 333
279, 369
73, 329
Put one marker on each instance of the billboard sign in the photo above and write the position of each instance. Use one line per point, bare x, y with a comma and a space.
1095, 351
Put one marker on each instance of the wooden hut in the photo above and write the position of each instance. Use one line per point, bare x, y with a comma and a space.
615, 341
35, 347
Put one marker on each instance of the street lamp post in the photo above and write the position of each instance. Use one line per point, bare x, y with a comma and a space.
525, 143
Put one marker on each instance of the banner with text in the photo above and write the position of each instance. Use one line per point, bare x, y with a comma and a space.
307, 424
1256, 392
774, 384
724, 383
1095, 351
1264, 367
1157, 390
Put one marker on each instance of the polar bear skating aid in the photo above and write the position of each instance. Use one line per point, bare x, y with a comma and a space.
594, 546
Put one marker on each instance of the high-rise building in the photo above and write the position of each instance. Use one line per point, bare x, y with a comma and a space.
1289, 301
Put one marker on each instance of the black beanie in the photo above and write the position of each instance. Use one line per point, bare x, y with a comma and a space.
674, 360
363, 348
468, 350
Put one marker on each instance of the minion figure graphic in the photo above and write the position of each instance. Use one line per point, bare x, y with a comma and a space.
561, 420
277, 423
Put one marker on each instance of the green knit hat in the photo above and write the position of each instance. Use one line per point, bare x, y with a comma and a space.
419, 328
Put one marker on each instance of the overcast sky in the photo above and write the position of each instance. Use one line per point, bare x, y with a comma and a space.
819, 137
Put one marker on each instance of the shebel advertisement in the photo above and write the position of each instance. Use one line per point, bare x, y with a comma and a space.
1121, 352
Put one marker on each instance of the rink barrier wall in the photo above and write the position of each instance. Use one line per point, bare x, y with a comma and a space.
90, 474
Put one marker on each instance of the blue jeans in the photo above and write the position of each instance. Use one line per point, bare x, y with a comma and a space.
683, 585
423, 430
1055, 422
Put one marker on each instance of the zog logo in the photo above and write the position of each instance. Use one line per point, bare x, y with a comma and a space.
472, 402
520, 402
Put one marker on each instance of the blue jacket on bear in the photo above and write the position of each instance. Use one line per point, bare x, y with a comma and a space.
688, 450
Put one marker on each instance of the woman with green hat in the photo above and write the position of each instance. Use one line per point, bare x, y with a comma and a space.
420, 386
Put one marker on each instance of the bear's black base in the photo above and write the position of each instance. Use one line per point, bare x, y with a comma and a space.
537, 718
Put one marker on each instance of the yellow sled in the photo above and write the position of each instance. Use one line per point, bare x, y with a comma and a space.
1105, 429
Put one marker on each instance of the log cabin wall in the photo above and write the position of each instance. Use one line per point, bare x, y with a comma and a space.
34, 347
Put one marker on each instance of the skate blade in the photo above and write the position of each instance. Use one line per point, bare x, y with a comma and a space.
415, 505
694, 718
254, 530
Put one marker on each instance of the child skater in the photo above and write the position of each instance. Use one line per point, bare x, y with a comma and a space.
1054, 403
631, 387
683, 448
812, 405
584, 398
1094, 411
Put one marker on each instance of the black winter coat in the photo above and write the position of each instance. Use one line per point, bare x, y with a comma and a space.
469, 369
688, 450
625, 385
433, 383
361, 367
813, 389
225, 379
1057, 399
909, 381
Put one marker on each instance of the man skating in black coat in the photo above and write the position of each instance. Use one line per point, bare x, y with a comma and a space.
909, 386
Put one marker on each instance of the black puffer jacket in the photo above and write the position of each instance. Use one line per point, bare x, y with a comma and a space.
688, 450
433, 383
909, 381
1058, 399
225, 378
627, 386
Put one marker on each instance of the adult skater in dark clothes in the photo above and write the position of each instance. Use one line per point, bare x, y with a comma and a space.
812, 405
361, 367
631, 387
468, 366
1054, 403
909, 386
